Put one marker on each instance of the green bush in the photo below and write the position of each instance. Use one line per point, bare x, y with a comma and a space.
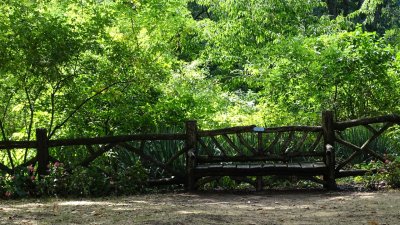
55, 183
393, 172
21, 184
382, 174
80, 181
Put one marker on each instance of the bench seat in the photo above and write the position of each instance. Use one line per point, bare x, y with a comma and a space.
261, 169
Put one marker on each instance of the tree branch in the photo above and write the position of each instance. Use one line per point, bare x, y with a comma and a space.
81, 105
3, 133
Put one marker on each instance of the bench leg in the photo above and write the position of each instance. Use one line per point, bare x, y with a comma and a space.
191, 183
259, 183
330, 183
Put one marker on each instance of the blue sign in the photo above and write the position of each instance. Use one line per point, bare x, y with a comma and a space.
258, 129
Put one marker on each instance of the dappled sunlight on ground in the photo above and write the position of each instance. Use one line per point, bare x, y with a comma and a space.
211, 208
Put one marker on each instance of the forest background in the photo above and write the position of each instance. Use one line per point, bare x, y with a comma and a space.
85, 68
93, 68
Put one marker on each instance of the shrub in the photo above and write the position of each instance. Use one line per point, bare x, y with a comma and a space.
80, 181
382, 173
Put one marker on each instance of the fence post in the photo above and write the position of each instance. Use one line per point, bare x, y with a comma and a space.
42, 151
329, 143
191, 139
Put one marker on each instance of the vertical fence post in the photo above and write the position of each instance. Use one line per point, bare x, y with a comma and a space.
42, 151
260, 148
329, 143
191, 139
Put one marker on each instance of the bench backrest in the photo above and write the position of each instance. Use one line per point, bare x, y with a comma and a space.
252, 144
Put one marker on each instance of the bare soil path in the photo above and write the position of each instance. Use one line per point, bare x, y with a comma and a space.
271, 207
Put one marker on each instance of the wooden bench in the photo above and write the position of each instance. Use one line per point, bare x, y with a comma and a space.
302, 151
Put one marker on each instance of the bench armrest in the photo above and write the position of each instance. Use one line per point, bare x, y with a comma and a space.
191, 153
330, 155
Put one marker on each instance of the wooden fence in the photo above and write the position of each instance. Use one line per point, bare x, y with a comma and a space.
330, 133
95, 148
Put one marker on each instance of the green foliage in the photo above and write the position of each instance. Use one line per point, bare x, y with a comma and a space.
95, 68
20, 184
56, 182
79, 181
308, 75
393, 176
382, 175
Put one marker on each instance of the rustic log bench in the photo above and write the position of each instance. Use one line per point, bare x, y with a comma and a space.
301, 151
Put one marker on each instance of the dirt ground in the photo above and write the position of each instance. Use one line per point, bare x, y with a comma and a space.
269, 207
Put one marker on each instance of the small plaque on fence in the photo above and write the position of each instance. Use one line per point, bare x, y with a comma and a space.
258, 129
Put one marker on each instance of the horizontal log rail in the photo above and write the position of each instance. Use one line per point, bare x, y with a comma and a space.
292, 128
17, 144
93, 141
116, 139
367, 121
253, 128
231, 130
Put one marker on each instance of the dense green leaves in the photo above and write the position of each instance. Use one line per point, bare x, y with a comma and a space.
116, 67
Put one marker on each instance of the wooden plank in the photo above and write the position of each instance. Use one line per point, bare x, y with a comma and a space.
319, 165
201, 167
240, 166
306, 165
304, 154
294, 165
215, 159
268, 165
215, 166
274, 157
255, 166
230, 166
281, 165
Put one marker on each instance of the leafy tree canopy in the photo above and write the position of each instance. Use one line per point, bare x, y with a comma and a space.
115, 67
